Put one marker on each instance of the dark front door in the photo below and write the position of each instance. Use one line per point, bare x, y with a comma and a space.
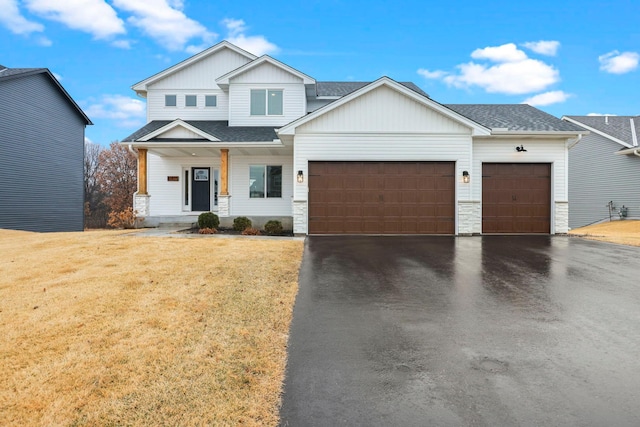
200, 189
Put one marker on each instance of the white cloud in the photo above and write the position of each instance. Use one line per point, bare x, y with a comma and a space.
57, 76
87, 140
505, 53
127, 111
43, 41
543, 47
513, 74
615, 62
258, 45
95, 17
122, 44
164, 21
547, 98
600, 114
11, 18
437, 74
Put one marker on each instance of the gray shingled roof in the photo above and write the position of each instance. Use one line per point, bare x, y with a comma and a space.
345, 88
514, 117
216, 128
12, 72
618, 127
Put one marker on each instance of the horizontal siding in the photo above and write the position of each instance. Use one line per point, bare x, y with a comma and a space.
538, 151
384, 110
156, 109
203, 73
382, 148
42, 150
598, 176
241, 204
294, 104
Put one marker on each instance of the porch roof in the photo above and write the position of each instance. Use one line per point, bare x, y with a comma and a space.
218, 129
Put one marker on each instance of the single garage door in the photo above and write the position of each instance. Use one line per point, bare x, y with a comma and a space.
381, 197
516, 198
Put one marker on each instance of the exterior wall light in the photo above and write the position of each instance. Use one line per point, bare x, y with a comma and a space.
465, 177
521, 149
300, 177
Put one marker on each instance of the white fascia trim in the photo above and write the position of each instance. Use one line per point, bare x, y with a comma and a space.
476, 128
276, 143
224, 79
538, 133
628, 151
596, 131
634, 137
142, 85
175, 124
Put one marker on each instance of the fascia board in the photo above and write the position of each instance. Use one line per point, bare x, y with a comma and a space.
596, 131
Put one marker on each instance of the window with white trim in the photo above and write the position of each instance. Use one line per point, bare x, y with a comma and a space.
170, 100
266, 102
265, 181
191, 100
210, 101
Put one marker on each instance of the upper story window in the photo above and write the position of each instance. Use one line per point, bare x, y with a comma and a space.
170, 100
210, 101
266, 102
190, 100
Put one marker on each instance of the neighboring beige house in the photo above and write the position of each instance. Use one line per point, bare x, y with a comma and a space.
242, 135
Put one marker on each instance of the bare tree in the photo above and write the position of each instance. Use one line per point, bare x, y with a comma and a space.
117, 176
95, 211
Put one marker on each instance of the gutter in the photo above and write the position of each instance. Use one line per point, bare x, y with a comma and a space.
572, 142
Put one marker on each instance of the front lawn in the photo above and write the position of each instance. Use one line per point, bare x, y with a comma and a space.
625, 232
102, 328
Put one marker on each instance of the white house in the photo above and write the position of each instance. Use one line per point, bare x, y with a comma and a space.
242, 135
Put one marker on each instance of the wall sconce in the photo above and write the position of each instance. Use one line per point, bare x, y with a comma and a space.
521, 149
300, 177
465, 177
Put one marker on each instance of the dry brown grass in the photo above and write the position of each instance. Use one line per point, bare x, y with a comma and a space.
625, 232
100, 328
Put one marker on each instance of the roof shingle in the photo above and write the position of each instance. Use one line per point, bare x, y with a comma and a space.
618, 127
217, 128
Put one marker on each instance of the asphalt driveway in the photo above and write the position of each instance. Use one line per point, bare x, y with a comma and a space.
481, 331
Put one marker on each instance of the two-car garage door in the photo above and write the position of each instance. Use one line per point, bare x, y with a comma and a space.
381, 198
419, 198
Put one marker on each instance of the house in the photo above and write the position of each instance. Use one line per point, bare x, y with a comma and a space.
41, 153
604, 170
251, 136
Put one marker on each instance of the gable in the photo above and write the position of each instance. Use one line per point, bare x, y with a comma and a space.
266, 73
384, 109
203, 74
180, 133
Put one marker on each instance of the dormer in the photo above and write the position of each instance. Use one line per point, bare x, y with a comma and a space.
265, 92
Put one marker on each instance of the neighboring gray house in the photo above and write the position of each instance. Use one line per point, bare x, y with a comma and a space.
604, 169
41, 153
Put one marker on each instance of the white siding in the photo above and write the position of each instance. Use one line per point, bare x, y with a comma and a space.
180, 132
157, 111
552, 151
294, 104
384, 110
266, 73
242, 204
203, 74
166, 196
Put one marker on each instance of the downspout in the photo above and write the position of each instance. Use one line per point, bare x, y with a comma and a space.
572, 142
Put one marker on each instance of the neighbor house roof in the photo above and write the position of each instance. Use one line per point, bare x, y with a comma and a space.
14, 73
625, 130
216, 128
344, 88
514, 117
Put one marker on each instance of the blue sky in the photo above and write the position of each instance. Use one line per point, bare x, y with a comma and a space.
565, 57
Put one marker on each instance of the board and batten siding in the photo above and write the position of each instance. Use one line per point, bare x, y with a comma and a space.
266, 76
553, 151
242, 204
42, 151
597, 176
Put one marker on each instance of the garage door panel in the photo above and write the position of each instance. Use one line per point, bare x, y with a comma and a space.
382, 197
516, 198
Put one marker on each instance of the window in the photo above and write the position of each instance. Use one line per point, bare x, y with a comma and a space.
266, 102
170, 100
210, 101
191, 101
265, 180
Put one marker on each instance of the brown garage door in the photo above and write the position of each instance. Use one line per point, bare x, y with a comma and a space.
516, 198
381, 197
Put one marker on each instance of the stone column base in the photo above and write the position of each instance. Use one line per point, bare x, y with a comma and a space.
300, 225
141, 204
224, 206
